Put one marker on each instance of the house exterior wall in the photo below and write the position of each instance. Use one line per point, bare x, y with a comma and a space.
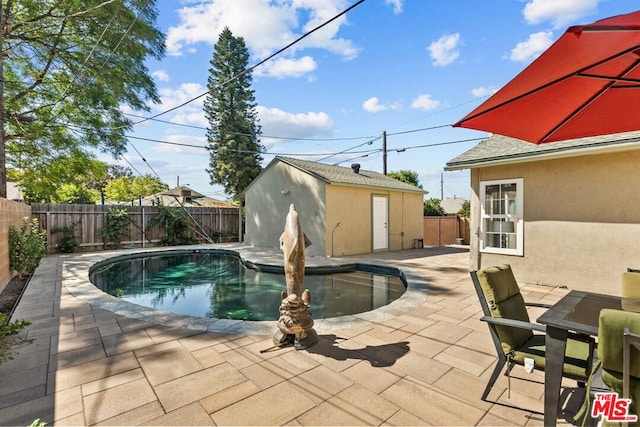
581, 220
352, 208
266, 207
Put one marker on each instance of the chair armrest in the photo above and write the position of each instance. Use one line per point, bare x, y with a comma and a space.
629, 339
514, 323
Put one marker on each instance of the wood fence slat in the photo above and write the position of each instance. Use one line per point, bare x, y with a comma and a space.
220, 224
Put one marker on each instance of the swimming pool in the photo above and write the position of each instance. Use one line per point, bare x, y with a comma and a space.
217, 284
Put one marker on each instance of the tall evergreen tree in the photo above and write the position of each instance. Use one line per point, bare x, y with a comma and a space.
230, 107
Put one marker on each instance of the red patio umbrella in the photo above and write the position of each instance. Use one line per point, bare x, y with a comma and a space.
587, 83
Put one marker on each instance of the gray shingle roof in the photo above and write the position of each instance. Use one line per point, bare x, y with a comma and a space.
503, 149
346, 176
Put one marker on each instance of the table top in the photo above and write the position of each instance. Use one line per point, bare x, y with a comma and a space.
579, 311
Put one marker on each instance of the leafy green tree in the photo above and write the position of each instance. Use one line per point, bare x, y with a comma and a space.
432, 207
63, 180
118, 189
406, 176
230, 108
76, 193
465, 210
124, 189
69, 68
147, 185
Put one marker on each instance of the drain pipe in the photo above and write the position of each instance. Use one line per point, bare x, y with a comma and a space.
332, 237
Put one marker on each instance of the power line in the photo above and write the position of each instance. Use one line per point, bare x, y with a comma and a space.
291, 138
258, 64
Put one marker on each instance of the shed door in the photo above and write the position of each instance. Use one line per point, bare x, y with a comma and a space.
380, 220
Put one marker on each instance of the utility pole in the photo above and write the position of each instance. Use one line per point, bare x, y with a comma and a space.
3, 157
384, 152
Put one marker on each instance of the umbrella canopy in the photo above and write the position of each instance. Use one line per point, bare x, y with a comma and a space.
587, 83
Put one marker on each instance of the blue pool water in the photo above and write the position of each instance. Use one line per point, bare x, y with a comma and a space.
218, 285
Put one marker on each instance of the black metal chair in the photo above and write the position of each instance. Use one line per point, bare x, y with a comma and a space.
505, 312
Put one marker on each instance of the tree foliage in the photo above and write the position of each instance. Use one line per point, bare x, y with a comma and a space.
63, 180
465, 209
406, 176
230, 108
69, 67
432, 207
124, 189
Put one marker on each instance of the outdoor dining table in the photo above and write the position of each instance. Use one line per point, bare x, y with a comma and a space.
578, 312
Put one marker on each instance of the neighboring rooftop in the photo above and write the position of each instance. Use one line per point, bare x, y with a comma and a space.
347, 175
503, 149
184, 196
452, 205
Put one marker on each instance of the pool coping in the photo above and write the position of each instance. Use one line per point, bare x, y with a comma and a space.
75, 278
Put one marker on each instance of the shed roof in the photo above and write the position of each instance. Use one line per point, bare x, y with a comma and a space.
342, 175
499, 149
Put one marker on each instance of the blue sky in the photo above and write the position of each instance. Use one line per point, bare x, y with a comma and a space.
409, 68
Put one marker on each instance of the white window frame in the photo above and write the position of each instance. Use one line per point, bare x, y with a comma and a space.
514, 216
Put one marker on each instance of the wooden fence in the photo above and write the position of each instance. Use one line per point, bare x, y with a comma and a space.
445, 230
87, 221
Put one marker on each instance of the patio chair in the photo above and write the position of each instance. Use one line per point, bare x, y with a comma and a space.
619, 353
511, 330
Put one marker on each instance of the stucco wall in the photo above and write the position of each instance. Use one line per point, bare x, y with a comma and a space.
581, 220
267, 206
351, 207
11, 213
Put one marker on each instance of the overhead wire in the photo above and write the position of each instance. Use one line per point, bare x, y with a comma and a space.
126, 33
247, 70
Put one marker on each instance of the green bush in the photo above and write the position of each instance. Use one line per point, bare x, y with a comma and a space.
176, 226
26, 245
112, 233
8, 330
68, 243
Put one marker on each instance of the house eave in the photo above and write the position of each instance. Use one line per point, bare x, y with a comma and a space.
378, 187
549, 154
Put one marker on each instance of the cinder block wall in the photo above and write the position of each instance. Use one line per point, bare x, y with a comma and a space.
11, 213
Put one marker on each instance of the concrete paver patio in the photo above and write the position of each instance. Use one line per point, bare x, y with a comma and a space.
423, 361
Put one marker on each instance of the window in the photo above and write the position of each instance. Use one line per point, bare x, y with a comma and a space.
501, 225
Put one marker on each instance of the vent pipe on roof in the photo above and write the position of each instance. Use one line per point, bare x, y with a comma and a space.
355, 167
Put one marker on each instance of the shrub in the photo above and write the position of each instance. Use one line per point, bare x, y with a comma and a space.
8, 330
176, 226
114, 229
26, 245
68, 243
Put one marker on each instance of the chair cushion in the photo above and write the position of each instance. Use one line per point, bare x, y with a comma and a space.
577, 359
505, 300
613, 380
610, 333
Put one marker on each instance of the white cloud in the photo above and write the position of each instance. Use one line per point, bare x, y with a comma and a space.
481, 91
397, 5
560, 13
445, 50
373, 105
189, 114
285, 67
270, 26
161, 75
277, 122
424, 102
534, 46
